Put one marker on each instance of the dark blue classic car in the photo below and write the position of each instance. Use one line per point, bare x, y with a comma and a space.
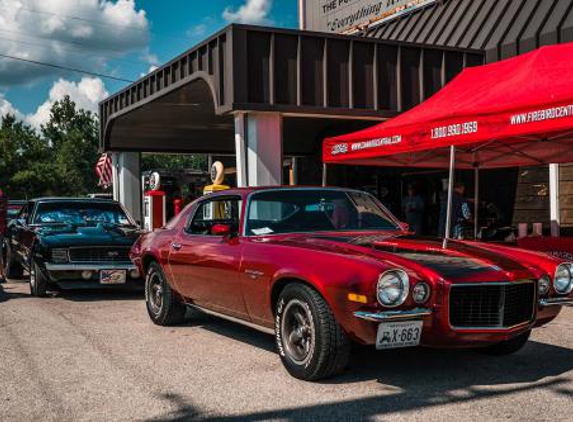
71, 243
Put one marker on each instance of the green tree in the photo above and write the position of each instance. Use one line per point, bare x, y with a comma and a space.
24, 160
73, 137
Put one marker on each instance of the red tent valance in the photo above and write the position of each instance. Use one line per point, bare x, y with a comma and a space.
517, 112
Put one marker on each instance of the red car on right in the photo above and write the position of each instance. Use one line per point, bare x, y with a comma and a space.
320, 268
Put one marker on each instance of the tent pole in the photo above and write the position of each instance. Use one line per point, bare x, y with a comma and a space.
324, 175
476, 203
449, 210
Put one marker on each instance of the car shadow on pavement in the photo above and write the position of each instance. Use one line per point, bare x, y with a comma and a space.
94, 295
231, 330
418, 379
8, 291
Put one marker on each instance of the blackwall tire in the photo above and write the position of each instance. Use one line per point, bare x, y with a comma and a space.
12, 269
507, 347
38, 281
163, 306
311, 344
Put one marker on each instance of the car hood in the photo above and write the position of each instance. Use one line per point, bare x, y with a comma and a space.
72, 235
461, 261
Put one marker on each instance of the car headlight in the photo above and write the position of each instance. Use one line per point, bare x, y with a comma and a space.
59, 255
544, 285
563, 282
421, 293
393, 288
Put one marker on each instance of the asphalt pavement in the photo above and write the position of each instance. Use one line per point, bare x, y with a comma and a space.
83, 356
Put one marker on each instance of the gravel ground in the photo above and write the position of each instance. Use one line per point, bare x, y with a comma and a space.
96, 356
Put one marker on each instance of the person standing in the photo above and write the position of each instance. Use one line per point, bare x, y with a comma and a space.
461, 212
414, 207
3, 226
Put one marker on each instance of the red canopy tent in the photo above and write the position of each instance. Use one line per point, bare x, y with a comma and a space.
518, 112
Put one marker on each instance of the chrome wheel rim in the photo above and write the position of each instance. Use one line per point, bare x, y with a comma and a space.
297, 327
154, 293
32, 277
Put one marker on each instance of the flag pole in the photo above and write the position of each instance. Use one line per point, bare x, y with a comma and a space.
447, 235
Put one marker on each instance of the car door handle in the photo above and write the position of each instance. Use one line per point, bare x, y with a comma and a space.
176, 246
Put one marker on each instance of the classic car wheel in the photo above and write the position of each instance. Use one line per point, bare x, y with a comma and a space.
38, 281
163, 306
12, 269
311, 344
507, 347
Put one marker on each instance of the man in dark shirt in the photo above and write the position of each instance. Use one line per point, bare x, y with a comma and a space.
461, 212
3, 224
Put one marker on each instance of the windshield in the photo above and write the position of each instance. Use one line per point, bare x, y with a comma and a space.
80, 213
313, 210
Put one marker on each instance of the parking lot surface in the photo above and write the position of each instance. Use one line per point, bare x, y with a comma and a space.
96, 356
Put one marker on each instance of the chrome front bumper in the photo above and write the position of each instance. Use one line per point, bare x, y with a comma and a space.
393, 315
90, 267
558, 301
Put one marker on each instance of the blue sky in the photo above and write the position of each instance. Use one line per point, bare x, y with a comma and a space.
124, 38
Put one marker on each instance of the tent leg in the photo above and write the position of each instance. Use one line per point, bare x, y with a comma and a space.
324, 175
476, 203
449, 210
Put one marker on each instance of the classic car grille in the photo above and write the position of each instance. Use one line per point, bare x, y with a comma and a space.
491, 306
99, 254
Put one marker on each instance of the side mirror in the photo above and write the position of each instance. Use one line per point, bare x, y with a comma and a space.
221, 230
405, 227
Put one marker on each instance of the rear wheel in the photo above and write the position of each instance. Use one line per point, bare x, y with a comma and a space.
38, 281
507, 347
311, 344
163, 306
12, 269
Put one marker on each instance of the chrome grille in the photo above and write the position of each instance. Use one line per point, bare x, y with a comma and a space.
100, 254
487, 305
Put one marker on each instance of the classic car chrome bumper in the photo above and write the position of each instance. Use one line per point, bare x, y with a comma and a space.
91, 267
558, 301
393, 315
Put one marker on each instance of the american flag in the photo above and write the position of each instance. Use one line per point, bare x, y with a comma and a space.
104, 170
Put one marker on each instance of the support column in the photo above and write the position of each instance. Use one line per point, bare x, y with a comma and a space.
127, 181
258, 142
554, 206
241, 150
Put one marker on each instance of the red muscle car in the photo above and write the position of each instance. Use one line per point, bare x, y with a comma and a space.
323, 267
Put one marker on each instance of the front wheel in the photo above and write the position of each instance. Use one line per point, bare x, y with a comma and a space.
507, 347
311, 344
38, 281
163, 306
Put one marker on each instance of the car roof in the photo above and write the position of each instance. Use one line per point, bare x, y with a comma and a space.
64, 199
249, 190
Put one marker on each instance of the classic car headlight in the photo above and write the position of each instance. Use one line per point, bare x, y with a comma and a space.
563, 282
421, 293
393, 288
59, 255
544, 285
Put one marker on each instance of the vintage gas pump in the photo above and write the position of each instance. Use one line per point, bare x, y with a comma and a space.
154, 204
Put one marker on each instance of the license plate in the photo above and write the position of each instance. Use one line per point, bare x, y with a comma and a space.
393, 335
112, 276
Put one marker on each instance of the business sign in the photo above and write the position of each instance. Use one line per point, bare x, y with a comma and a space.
347, 16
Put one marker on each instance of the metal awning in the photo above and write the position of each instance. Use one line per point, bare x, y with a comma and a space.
500, 28
188, 104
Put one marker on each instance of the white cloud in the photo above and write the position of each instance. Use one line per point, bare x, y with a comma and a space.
86, 93
70, 33
152, 68
253, 12
6, 107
